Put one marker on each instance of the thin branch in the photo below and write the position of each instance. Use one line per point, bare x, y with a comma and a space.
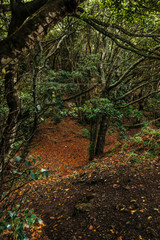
140, 99
121, 29
132, 90
126, 73
120, 41
81, 93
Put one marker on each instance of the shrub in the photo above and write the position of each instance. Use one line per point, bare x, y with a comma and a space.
84, 133
14, 217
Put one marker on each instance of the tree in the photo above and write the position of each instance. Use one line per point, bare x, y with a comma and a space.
132, 41
30, 22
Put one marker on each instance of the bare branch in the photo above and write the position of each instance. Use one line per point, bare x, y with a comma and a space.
121, 41
131, 91
126, 73
140, 99
81, 93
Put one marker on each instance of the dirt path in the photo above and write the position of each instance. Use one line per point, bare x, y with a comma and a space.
108, 199
107, 204
63, 147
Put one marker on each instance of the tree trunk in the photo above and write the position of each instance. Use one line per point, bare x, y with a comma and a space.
15, 48
9, 133
94, 127
101, 135
18, 45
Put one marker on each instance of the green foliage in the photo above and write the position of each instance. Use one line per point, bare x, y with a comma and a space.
137, 139
84, 133
16, 220
132, 11
92, 165
146, 145
124, 147
16, 146
131, 112
134, 158
150, 131
99, 107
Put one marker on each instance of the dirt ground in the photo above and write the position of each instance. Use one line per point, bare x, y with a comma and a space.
117, 203
108, 199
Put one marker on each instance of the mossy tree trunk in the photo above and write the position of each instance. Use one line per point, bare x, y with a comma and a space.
17, 46
94, 128
10, 130
101, 135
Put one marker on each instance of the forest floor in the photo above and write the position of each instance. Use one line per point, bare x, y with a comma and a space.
109, 198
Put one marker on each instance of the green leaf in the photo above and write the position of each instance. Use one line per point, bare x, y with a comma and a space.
17, 159
43, 170
26, 211
19, 227
33, 218
2, 228
40, 220
33, 176
45, 174
22, 236
8, 225
66, 165
10, 213
16, 172
17, 206
4, 194
38, 107
27, 163
3, 70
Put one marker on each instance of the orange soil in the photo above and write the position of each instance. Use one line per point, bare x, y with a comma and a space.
62, 147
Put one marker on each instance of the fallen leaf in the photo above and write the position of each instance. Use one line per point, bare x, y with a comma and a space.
90, 227
112, 231
133, 211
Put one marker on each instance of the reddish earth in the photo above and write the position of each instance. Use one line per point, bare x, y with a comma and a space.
108, 199
62, 146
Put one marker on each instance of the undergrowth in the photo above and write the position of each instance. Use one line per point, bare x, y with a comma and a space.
143, 146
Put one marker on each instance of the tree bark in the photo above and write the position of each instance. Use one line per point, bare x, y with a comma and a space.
94, 127
9, 133
101, 135
17, 46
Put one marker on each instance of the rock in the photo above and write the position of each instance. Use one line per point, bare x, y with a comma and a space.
81, 208
108, 237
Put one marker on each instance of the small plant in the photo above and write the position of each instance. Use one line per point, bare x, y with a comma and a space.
14, 217
137, 139
16, 220
134, 158
84, 133
93, 164
124, 147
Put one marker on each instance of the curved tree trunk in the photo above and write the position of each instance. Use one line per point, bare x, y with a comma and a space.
33, 29
16, 47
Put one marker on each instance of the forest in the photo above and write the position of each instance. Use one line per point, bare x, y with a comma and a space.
79, 119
